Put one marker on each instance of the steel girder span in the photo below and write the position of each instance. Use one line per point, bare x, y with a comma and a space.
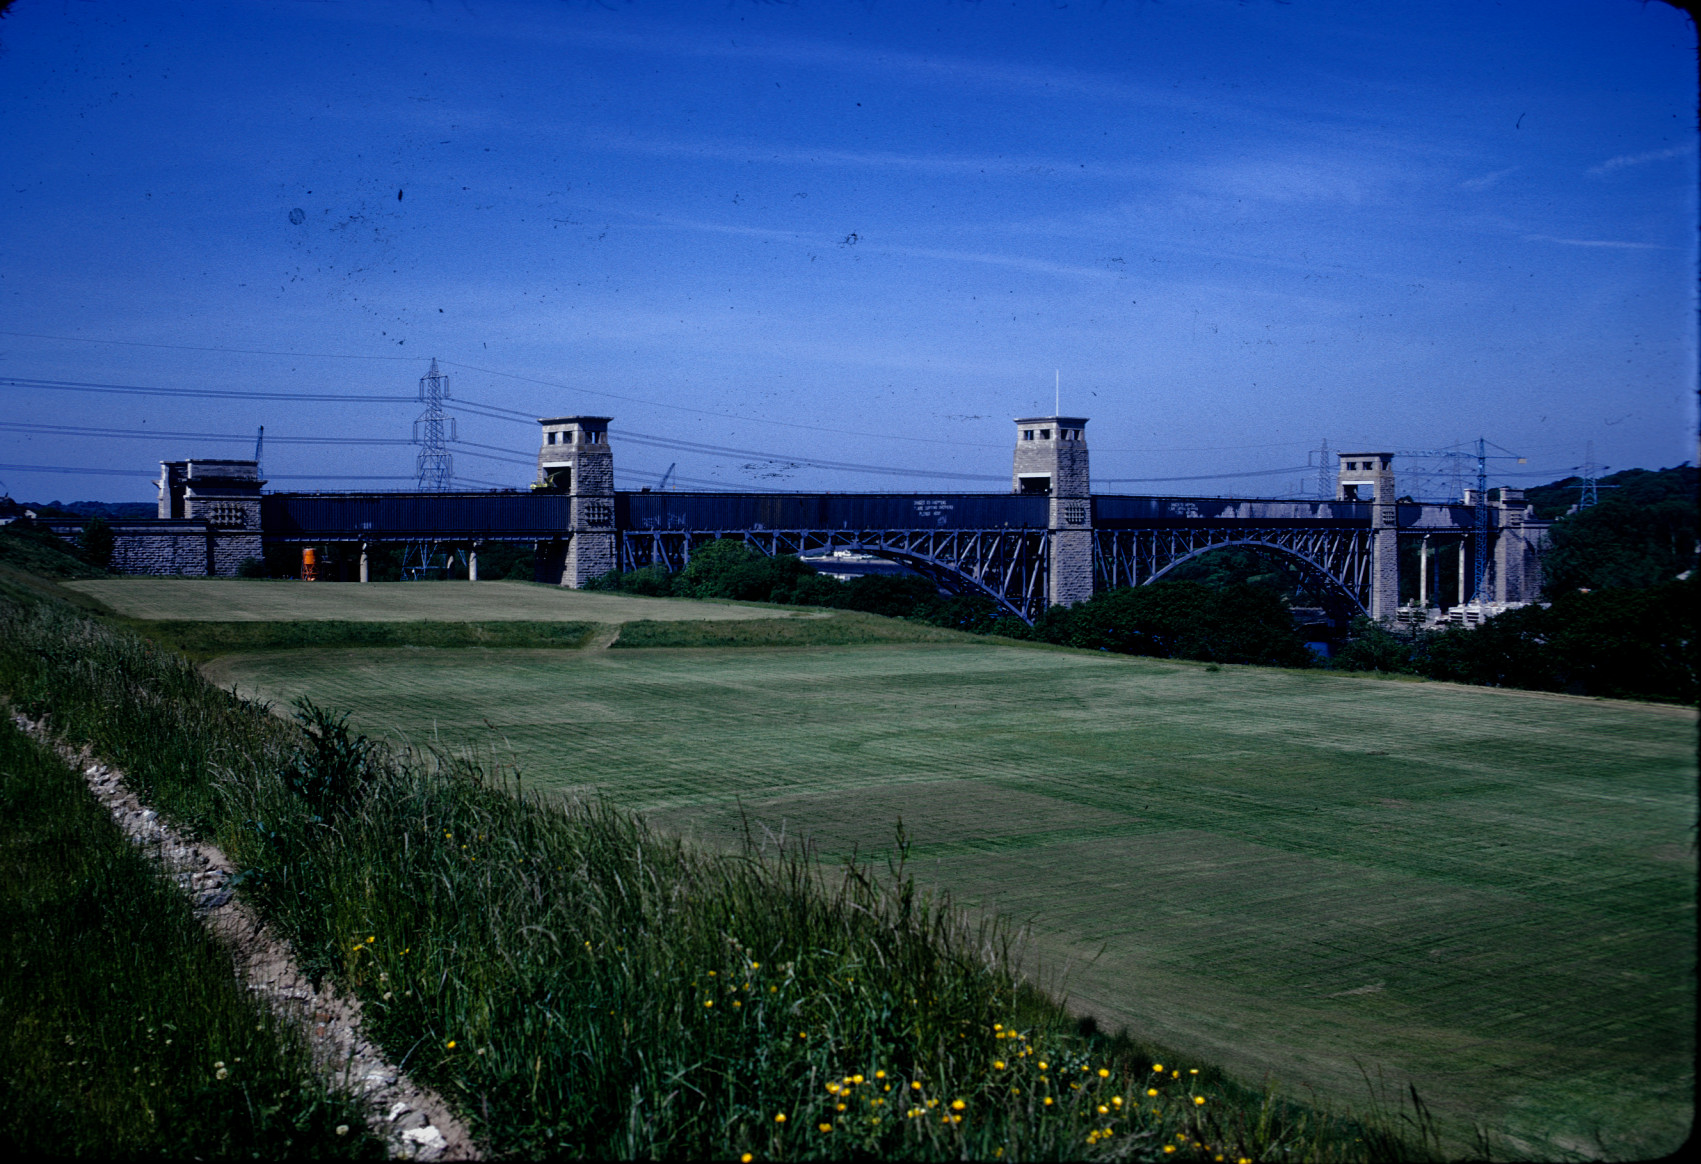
1006, 565
1339, 559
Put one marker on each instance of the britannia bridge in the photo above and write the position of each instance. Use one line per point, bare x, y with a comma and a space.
1049, 540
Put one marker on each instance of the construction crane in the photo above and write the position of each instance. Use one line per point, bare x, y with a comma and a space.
666, 477
1480, 531
259, 443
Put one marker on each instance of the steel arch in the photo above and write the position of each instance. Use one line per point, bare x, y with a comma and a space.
1309, 565
1339, 558
1005, 565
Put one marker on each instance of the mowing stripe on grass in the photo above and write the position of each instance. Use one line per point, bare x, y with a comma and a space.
1490, 893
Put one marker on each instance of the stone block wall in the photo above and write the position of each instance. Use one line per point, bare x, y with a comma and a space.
1071, 579
231, 549
589, 553
162, 548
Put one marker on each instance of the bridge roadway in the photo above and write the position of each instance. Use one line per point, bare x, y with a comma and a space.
994, 544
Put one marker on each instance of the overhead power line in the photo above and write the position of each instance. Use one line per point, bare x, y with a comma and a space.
153, 472
1202, 476
205, 393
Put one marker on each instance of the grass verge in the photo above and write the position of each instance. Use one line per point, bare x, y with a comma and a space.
123, 1028
200, 640
577, 983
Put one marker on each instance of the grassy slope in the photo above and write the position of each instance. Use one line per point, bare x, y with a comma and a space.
233, 600
863, 973
123, 1028
1488, 892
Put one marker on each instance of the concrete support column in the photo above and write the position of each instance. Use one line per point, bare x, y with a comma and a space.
472, 562
1423, 573
590, 553
1513, 552
1384, 569
1464, 569
575, 458
365, 565
1071, 573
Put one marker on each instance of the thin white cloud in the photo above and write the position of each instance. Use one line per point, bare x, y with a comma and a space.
1488, 180
986, 258
1623, 160
880, 159
1594, 242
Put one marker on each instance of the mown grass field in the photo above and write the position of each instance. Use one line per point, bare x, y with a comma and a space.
233, 600
1320, 877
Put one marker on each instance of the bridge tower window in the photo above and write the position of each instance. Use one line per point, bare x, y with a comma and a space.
1027, 434
1045, 434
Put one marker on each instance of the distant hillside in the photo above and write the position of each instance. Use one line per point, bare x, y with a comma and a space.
1642, 531
106, 509
1640, 486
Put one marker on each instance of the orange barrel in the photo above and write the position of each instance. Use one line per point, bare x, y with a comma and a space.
309, 564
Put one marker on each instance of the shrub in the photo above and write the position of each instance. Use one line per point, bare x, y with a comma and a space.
96, 543
1185, 620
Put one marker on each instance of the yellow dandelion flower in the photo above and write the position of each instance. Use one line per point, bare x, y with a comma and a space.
708, 1002
997, 1026
735, 1002
1157, 1066
1151, 1091
915, 1085
746, 1158
998, 1064
825, 1127
1043, 1065
1198, 1101
840, 1106
856, 1079
1104, 1072
1169, 1147
832, 1089
780, 1118
1117, 1100
879, 1075
450, 1044
1103, 1110
1048, 1101
1193, 1070
958, 1105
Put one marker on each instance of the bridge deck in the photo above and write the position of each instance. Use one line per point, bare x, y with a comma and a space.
524, 516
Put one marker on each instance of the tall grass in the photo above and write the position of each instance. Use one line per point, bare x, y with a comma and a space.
123, 1028
577, 983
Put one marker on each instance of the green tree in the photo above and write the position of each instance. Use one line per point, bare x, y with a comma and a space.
96, 543
1237, 623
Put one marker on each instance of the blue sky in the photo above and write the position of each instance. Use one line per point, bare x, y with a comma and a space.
861, 233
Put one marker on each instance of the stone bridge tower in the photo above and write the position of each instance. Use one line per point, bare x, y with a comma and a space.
1370, 477
575, 458
1051, 459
